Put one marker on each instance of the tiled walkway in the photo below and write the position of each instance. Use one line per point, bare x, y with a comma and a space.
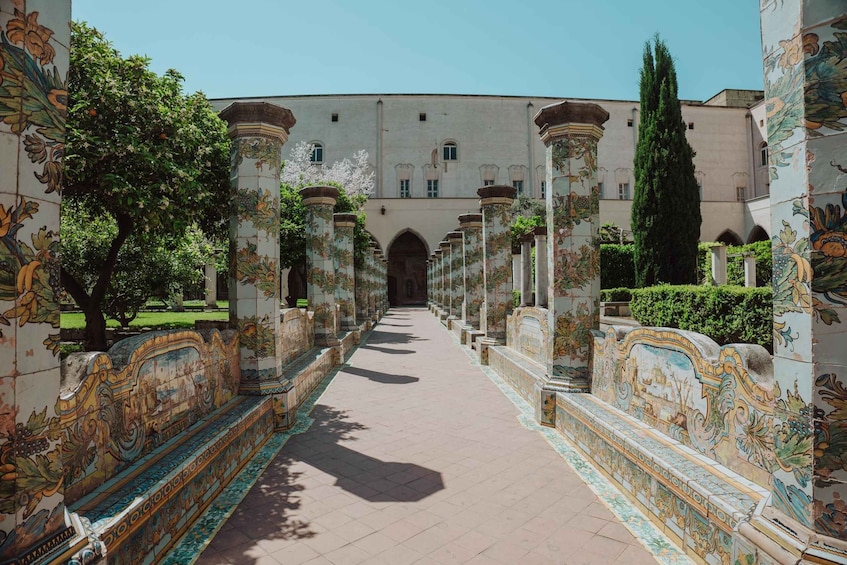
415, 456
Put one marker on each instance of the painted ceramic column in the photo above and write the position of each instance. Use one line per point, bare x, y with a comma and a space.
382, 284
258, 131
210, 275
33, 525
496, 202
374, 278
439, 298
471, 226
320, 270
526, 269
447, 272
457, 291
361, 292
805, 67
571, 132
428, 281
541, 280
344, 275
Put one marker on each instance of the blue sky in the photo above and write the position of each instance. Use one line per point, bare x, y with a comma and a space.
562, 48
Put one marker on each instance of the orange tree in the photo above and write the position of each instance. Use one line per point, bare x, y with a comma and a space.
139, 151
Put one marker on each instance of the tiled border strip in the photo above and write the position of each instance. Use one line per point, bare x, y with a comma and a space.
188, 549
630, 517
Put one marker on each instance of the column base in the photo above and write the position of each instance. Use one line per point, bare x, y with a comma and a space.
545, 408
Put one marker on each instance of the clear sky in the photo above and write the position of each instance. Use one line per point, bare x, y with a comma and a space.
560, 48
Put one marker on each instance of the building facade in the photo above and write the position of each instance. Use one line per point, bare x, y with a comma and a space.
430, 154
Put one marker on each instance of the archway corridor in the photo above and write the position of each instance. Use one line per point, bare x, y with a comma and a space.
412, 454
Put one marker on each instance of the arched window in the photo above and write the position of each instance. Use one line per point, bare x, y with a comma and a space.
763, 154
317, 156
450, 151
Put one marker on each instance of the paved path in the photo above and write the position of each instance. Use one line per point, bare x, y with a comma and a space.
415, 456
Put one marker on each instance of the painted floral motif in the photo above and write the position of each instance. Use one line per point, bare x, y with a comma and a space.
831, 428
572, 333
259, 207
576, 269
257, 336
566, 149
265, 151
256, 270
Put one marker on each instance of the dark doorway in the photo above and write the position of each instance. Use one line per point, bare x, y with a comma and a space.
757, 234
407, 270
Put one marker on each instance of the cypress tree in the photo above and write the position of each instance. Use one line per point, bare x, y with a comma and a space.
666, 203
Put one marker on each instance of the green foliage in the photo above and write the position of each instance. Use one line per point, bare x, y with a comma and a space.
516, 298
617, 268
147, 266
727, 314
156, 320
610, 232
141, 154
523, 225
666, 204
615, 295
735, 265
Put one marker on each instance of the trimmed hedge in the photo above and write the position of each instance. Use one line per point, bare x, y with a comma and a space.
615, 295
735, 265
617, 265
727, 314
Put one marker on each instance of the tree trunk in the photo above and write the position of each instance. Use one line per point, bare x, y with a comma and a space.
95, 330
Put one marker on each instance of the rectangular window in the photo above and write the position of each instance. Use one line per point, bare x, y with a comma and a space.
451, 152
405, 191
518, 184
488, 182
432, 189
629, 123
623, 191
690, 125
422, 117
602, 189
739, 193
543, 189
334, 117
763, 154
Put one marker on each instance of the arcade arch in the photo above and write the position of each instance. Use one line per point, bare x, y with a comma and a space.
407, 256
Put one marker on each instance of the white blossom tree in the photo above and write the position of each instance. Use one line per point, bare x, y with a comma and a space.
354, 174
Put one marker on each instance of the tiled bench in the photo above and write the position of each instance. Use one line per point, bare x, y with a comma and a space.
522, 373
695, 500
140, 512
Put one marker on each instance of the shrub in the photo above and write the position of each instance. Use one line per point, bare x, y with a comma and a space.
727, 314
735, 265
615, 295
516, 298
617, 268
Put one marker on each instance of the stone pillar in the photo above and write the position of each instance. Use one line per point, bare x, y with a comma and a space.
258, 131
516, 268
457, 269
570, 131
750, 271
370, 260
718, 264
383, 282
807, 130
210, 275
429, 281
439, 290
526, 269
541, 279
284, 289
496, 235
446, 273
471, 226
320, 269
374, 296
361, 293
344, 274
35, 526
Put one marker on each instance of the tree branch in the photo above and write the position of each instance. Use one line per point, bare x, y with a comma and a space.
125, 224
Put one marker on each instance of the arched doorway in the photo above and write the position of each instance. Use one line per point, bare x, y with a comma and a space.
757, 234
729, 237
407, 270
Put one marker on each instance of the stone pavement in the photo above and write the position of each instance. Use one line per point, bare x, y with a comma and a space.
415, 456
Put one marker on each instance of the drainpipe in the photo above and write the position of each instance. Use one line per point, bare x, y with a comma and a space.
379, 132
752, 188
530, 138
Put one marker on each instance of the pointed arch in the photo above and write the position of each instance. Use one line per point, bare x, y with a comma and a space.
729, 237
758, 233
407, 255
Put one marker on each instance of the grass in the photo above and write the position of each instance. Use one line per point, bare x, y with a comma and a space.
157, 320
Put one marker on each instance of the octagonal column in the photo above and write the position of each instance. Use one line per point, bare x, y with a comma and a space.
446, 273
541, 280
436, 274
258, 131
457, 291
344, 273
472, 253
374, 278
496, 202
571, 132
526, 269
320, 268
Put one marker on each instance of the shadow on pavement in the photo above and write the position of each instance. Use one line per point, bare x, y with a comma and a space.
376, 376
389, 350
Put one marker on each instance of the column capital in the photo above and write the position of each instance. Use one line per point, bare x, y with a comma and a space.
565, 119
496, 194
470, 221
438, 252
539, 231
344, 220
455, 235
260, 119
444, 244
316, 195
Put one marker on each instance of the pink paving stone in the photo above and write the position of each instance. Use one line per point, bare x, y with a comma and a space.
415, 456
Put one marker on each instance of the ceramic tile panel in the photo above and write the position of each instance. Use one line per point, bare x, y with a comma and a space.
496, 238
474, 276
320, 277
780, 21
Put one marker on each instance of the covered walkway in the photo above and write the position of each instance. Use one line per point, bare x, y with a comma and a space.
414, 455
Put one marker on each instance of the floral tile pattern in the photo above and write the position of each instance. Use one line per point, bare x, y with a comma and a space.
320, 269
344, 275
473, 274
496, 222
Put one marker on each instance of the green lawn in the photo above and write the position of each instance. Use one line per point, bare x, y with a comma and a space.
159, 320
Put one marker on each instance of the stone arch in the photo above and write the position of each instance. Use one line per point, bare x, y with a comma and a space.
758, 233
407, 256
729, 237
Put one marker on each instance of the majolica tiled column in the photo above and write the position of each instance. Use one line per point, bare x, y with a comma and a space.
428, 281
361, 293
446, 273
374, 278
474, 284
439, 299
258, 131
805, 64
33, 526
541, 280
496, 202
344, 275
571, 132
320, 269
383, 283
457, 291
526, 269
